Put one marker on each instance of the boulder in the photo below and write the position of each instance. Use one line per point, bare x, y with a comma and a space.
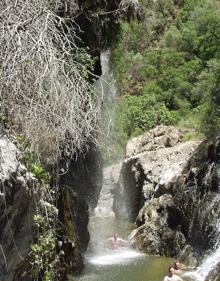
158, 231
171, 189
155, 163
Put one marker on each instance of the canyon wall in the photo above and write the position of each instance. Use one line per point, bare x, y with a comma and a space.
22, 198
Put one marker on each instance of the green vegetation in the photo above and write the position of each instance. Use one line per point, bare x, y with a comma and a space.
43, 256
32, 161
167, 68
43, 252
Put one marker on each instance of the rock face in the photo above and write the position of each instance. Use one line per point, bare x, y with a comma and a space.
20, 193
171, 189
111, 176
158, 231
14, 203
83, 182
198, 200
156, 165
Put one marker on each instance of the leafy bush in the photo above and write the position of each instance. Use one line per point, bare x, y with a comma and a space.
170, 78
32, 161
209, 85
142, 113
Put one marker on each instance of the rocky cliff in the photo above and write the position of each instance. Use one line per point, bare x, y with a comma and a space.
169, 186
22, 198
16, 208
98, 22
82, 180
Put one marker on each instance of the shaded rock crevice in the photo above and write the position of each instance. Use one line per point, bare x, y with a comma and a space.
83, 181
133, 178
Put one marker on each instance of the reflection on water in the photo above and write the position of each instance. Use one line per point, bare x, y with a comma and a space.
123, 264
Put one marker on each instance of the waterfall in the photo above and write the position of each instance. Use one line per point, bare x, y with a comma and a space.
105, 204
103, 223
212, 261
106, 84
208, 265
106, 87
207, 214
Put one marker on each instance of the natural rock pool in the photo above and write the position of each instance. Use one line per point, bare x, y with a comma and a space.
123, 264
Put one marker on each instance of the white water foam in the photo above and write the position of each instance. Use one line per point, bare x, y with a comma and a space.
206, 267
104, 212
114, 257
210, 262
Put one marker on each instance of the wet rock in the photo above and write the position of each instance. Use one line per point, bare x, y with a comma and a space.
83, 181
111, 178
214, 274
158, 231
187, 256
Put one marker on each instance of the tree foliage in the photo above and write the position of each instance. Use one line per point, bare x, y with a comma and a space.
174, 66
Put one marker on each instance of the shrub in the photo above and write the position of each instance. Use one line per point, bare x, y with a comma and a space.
44, 78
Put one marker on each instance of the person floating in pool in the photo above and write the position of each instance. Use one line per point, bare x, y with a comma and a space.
174, 276
115, 242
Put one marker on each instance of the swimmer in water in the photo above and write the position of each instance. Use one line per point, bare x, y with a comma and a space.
179, 267
116, 241
174, 276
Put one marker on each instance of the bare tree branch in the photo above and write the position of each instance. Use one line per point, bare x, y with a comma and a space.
44, 78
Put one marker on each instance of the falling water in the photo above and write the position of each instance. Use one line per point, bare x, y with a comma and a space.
106, 87
212, 261
207, 266
104, 224
105, 203
124, 263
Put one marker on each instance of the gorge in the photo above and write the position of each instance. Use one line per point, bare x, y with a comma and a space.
169, 188
109, 123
